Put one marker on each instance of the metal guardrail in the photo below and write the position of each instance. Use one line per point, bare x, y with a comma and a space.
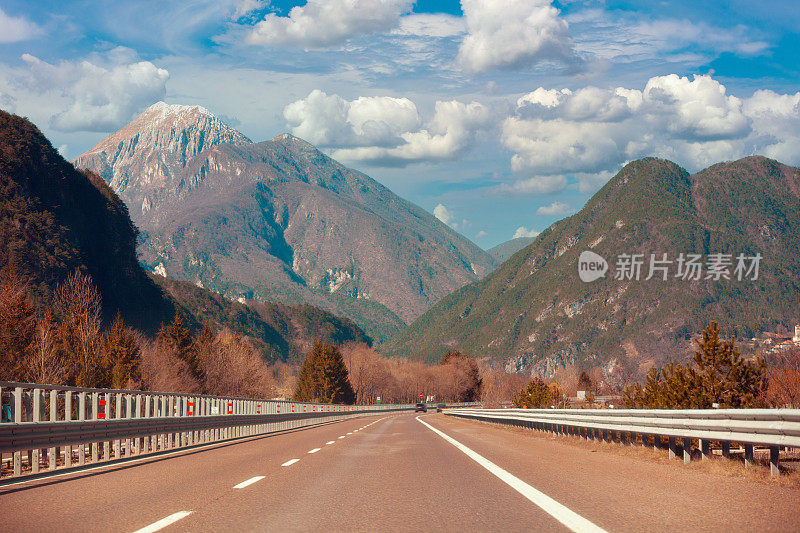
48, 427
773, 428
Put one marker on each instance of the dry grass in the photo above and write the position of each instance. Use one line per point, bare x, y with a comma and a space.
718, 465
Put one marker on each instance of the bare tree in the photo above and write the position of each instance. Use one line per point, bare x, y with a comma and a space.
46, 362
79, 306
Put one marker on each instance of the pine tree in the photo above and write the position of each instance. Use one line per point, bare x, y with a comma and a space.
176, 336
323, 377
721, 377
537, 395
584, 382
121, 362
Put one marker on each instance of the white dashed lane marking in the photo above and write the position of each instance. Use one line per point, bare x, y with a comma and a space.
164, 522
330, 442
315, 450
249, 482
290, 462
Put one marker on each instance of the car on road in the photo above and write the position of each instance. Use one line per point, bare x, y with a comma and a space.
439, 407
420, 407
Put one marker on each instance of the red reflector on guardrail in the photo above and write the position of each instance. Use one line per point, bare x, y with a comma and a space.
102, 402
101, 415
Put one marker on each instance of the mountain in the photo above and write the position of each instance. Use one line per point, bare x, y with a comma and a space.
535, 314
55, 219
278, 220
503, 251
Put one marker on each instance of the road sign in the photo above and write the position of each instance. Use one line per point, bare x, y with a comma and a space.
378, 401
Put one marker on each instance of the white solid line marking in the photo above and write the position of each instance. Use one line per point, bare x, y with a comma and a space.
315, 450
330, 442
250, 481
290, 462
570, 519
164, 522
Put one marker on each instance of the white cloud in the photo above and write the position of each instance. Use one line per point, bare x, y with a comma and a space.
481, 234
383, 130
555, 209
536, 185
98, 96
332, 121
522, 231
245, 7
321, 23
513, 33
13, 29
445, 216
589, 133
430, 25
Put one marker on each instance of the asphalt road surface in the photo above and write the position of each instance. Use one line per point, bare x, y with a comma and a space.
398, 473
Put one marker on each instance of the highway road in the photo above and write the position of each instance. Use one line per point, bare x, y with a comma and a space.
399, 473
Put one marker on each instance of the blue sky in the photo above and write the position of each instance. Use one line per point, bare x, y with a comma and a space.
499, 116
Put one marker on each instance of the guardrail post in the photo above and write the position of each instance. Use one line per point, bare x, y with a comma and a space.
37, 412
726, 449
672, 448
184, 434
82, 417
137, 446
687, 450
67, 418
774, 452
18, 420
705, 449
170, 413
52, 455
93, 416
117, 415
128, 415
748, 455
147, 410
162, 437
106, 416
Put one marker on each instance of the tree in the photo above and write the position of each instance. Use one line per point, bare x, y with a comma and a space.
537, 395
584, 382
784, 380
78, 305
722, 377
232, 366
17, 328
121, 362
176, 336
46, 361
465, 375
323, 377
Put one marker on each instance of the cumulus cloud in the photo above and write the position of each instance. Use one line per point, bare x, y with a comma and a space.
99, 97
384, 130
443, 214
522, 231
448, 217
13, 29
513, 33
555, 209
481, 234
590, 132
321, 23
